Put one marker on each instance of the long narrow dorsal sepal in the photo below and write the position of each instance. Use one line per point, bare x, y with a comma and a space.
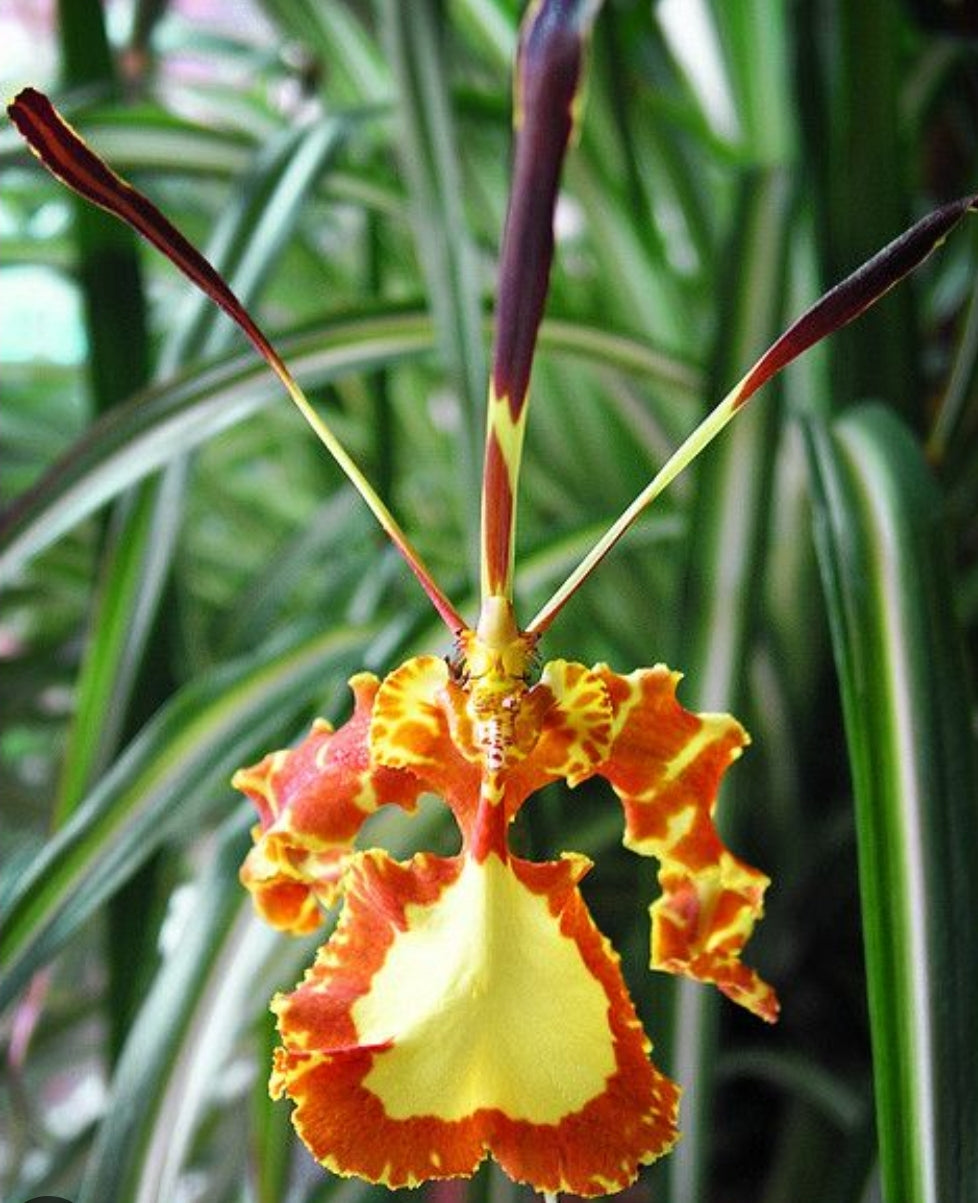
839, 306
549, 70
63, 152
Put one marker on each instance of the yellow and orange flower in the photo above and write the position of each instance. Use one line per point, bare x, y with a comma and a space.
469, 1005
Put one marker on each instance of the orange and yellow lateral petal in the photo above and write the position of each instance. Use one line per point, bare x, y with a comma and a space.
465, 1008
665, 765
423, 721
312, 801
576, 726
411, 729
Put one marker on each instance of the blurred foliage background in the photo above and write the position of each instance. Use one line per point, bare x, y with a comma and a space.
187, 581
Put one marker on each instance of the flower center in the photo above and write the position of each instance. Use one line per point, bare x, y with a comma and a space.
488, 1004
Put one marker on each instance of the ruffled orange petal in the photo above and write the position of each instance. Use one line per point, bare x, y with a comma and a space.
564, 731
665, 765
312, 801
412, 727
464, 1008
576, 729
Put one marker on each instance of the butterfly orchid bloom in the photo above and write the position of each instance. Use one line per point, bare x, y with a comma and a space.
468, 1005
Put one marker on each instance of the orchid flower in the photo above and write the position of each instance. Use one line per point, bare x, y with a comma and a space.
468, 1006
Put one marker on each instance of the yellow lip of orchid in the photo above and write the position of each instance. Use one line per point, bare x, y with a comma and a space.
488, 1014
468, 1006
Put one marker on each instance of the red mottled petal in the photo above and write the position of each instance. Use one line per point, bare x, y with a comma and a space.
571, 715
312, 801
67, 157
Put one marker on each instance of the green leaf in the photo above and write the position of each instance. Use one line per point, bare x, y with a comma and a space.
180, 1044
135, 562
338, 37
728, 531
166, 780
852, 82
253, 230
173, 418
415, 38
755, 49
108, 257
908, 719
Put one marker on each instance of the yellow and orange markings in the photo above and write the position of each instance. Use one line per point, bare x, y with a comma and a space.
468, 1006
464, 1008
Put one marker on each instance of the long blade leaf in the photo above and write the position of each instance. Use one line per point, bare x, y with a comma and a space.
181, 756
167, 421
430, 158
727, 529
907, 715
173, 418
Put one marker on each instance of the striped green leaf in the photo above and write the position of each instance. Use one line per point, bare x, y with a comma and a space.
908, 718
167, 780
174, 417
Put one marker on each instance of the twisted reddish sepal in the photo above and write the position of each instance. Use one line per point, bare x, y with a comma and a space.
67, 157
468, 1006
549, 71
